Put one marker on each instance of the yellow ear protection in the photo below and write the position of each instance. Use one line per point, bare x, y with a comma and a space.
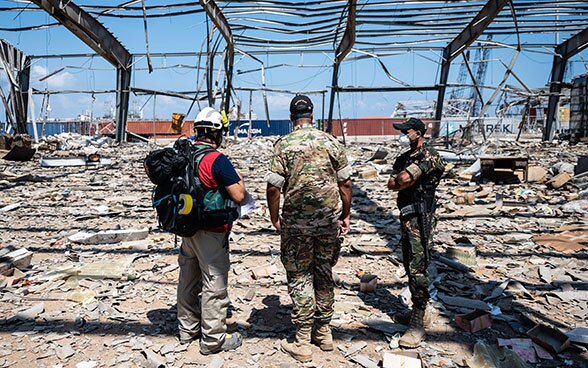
185, 204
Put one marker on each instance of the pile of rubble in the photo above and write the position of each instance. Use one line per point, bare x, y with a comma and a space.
85, 269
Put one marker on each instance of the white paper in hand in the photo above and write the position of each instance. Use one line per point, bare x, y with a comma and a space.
247, 205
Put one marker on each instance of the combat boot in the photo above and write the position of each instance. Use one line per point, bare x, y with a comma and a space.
415, 334
431, 315
323, 337
300, 348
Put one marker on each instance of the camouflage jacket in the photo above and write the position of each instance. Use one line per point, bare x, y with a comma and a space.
307, 165
426, 168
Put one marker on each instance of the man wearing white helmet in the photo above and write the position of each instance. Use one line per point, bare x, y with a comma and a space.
204, 257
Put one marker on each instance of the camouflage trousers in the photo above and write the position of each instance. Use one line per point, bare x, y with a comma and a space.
416, 258
308, 261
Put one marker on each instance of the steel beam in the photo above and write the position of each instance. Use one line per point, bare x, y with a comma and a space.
17, 67
386, 89
123, 82
343, 49
87, 29
465, 38
24, 79
563, 52
219, 20
98, 38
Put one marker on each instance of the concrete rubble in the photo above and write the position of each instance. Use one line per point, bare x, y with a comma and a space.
102, 277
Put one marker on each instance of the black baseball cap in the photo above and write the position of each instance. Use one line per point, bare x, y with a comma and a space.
412, 123
301, 105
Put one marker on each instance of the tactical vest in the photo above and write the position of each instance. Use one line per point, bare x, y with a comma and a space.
423, 191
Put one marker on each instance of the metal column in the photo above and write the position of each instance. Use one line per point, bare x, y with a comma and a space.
563, 52
123, 83
95, 35
342, 51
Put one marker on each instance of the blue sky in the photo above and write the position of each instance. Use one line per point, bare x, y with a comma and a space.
186, 33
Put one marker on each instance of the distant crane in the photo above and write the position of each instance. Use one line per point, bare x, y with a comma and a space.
464, 101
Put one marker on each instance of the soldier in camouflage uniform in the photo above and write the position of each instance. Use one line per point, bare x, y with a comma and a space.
310, 168
415, 175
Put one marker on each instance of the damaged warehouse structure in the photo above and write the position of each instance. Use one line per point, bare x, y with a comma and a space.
89, 279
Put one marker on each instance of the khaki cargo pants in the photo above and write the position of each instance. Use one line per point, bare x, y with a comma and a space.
202, 289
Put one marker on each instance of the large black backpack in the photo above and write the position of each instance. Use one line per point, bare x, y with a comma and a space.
177, 198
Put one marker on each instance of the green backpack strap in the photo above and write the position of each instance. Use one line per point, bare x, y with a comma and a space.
198, 156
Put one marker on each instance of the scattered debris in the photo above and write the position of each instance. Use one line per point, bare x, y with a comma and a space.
550, 338
514, 250
474, 321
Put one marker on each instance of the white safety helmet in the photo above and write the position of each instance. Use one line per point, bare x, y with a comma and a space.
209, 118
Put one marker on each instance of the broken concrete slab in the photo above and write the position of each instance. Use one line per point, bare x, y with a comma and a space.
216, 362
364, 361
31, 313
464, 302
64, 352
153, 360
578, 335
19, 258
355, 348
109, 236
387, 327
74, 161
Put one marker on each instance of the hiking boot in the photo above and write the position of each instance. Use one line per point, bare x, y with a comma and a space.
186, 338
415, 334
232, 342
431, 315
300, 348
323, 337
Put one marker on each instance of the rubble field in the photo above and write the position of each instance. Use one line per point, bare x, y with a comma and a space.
89, 280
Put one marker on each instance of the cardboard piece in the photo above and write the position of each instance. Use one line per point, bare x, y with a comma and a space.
474, 321
368, 174
522, 347
560, 180
405, 359
565, 242
535, 174
264, 271
550, 338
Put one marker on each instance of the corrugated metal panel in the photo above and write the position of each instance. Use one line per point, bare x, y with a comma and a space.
372, 126
53, 128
